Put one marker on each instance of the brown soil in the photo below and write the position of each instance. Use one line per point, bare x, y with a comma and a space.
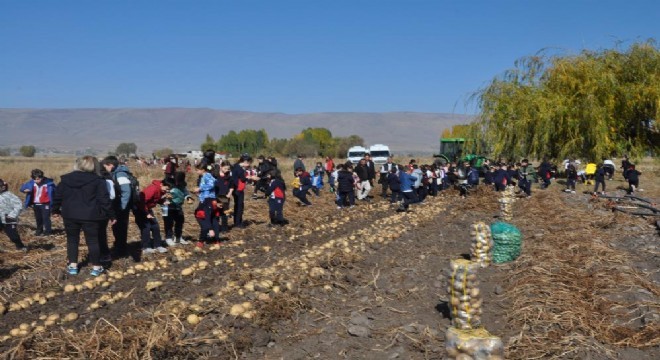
365, 283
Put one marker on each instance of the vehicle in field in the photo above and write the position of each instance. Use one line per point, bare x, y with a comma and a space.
452, 149
379, 153
355, 153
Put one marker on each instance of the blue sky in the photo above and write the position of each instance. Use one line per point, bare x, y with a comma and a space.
289, 56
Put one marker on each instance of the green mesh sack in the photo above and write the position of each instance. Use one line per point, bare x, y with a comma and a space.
507, 242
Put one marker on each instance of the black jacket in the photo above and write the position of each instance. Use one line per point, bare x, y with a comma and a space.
362, 172
371, 170
83, 196
344, 181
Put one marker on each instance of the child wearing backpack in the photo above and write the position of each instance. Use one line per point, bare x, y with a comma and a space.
174, 218
10, 208
276, 197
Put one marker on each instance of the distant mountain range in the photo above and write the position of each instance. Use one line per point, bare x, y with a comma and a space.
182, 129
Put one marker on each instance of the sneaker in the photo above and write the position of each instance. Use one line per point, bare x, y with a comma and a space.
572, 191
148, 251
72, 270
106, 258
170, 242
339, 207
199, 244
161, 249
96, 271
183, 242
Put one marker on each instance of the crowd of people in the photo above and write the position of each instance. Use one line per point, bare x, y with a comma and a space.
101, 193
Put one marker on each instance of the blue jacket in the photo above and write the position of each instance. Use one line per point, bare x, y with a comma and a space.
206, 187
473, 176
120, 176
30, 186
407, 181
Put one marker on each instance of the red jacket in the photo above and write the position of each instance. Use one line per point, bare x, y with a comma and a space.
151, 196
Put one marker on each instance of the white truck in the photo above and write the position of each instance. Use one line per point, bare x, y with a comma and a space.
379, 153
355, 153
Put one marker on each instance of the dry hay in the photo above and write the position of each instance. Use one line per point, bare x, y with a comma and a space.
562, 287
138, 339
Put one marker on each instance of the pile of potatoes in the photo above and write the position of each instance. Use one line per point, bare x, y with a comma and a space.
506, 203
481, 249
477, 344
465, 298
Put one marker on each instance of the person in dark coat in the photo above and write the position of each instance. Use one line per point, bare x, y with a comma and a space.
345, 186
600, 179
305, 184
298, 164
83, 201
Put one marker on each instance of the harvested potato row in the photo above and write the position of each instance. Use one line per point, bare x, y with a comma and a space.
465, 298
473, 344
481, 249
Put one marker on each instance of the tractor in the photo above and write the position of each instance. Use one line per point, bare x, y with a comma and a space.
451, 149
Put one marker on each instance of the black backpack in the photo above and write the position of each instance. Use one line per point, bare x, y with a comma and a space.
135, 187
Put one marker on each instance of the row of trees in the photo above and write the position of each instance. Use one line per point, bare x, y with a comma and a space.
310, 142
592, 105
25, 150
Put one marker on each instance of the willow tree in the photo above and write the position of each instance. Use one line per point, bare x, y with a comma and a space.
592, 105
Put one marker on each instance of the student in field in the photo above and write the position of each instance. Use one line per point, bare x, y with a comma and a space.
345, 186
276, 197
175, 218
305, 181
239, 182
10, 208
83, 201
545, 173
223, 192
394, 184
122, 204
171, 167
407, 181
154, 194
207, 208
103, 228
298, 164
600, 179
329, 167
632, 174
39, 196
524, 182
317, 178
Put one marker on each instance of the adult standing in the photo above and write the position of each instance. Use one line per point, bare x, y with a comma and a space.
363, 174
385, 169
122, 203
83, 201
371, 169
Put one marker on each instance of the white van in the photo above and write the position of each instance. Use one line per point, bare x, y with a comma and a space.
379, 153
355, 153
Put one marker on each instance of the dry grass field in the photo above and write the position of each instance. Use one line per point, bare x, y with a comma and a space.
585, 286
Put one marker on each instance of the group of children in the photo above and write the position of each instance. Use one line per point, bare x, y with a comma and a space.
221, 183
